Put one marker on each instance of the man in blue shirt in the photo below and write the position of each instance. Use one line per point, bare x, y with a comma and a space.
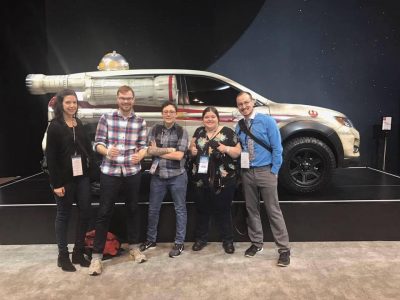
259, 174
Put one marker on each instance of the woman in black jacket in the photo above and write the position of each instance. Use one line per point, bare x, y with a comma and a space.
68, 149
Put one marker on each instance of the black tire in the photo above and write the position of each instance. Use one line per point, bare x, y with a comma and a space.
307, 165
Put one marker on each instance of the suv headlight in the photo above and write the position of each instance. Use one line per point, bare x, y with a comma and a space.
344, 121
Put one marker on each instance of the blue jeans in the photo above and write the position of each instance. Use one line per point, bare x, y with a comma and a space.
158, 188
77, 191
110, 187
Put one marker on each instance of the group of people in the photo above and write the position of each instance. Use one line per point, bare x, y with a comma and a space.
212, 169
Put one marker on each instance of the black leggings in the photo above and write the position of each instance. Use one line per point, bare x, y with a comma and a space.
219, 205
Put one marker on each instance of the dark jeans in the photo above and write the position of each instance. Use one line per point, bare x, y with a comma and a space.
209, 203
77, 191
110, 190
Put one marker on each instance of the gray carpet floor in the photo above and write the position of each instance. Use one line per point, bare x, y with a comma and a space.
318, 270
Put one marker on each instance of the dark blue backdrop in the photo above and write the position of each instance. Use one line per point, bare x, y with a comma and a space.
337, 54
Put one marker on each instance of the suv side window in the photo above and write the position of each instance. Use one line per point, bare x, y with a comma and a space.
204, 91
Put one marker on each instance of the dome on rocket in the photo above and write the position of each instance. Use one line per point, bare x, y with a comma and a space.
113, 62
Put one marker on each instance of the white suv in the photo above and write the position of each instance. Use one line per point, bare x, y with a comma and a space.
315, 140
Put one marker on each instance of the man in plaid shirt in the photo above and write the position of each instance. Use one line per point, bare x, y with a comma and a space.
121, 139
167, 144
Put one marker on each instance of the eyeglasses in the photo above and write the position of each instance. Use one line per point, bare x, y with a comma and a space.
125, 98
244, 103
168, 112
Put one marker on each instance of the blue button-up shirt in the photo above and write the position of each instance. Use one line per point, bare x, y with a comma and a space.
265, 129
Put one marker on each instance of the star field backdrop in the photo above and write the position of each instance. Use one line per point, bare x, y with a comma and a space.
342, 55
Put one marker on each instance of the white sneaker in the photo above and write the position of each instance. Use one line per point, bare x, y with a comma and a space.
96, 266
137, 255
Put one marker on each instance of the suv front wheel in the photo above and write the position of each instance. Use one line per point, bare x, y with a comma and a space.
307, 165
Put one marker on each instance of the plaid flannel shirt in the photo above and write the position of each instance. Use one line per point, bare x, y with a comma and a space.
129, 134
168, 138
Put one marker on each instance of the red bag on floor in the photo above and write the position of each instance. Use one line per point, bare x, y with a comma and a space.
112, 246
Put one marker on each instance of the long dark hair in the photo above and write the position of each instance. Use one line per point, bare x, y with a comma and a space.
58, 107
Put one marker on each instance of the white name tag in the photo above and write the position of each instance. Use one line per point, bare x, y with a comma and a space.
154, 166
77, 165
203, 164
244, 160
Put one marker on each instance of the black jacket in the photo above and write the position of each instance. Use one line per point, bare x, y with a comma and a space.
60, 147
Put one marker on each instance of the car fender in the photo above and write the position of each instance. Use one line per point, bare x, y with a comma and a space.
314, 129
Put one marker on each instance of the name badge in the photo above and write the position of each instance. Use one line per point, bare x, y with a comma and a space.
154, 166
77, 165
244, 160
203, 164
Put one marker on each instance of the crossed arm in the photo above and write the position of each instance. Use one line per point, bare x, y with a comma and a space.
167, 153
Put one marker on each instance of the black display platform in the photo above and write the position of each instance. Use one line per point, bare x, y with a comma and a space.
359, 204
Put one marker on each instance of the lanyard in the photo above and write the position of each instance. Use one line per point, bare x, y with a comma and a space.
165, 133
251, 124
73, 131
73, 134
211, 138
215, 134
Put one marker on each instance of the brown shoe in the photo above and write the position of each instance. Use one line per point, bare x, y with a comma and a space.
137, 255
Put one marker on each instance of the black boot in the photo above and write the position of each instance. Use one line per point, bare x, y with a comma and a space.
79, 258
64, 262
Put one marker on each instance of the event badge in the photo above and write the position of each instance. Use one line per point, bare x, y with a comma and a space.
203, 164
77, 165
154, 166
244, 160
